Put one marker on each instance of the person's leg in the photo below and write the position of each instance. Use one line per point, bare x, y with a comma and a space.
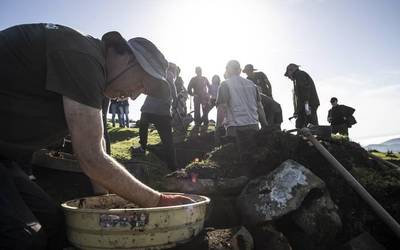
19, 227
342, 129
245, 141
197, 117
126, 112
121, 116
43, 207
313, 118
143, 129
301, 120
206, 109
163, 126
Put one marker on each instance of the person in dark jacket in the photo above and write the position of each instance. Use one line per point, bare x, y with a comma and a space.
340, 117
259, 78
305, 97
273, 112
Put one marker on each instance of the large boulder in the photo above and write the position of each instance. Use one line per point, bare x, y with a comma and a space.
318, 218
282, 191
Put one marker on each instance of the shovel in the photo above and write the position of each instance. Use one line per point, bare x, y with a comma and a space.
357, 187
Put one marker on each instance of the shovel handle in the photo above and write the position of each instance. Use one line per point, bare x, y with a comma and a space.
376, 207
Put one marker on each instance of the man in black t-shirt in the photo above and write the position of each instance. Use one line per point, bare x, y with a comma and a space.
52, 81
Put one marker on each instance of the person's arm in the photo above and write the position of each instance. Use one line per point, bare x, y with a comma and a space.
86, 128
221, 103
221, 114
190, 87
260, 111
329, 116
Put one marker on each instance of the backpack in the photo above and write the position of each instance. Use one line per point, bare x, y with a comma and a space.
350, 121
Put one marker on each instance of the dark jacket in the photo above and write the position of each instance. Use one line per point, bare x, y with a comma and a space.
341, 114
261, 80
304, 90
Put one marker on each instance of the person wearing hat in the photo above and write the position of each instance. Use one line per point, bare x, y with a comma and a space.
53, 81
158, 112
259, 78
239, 108
305, 97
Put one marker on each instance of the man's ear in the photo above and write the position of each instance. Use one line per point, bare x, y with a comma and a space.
115, 41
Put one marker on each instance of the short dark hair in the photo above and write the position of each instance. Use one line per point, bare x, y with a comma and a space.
114, 40
334, 99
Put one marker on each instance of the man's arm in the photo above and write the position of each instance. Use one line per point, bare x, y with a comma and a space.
261, 115
222, 103
86, 128
190, 86
260, 110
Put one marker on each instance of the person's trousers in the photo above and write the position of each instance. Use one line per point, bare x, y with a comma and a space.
303, 120
124, 116
198, 118
29, 219
342, 129
164, 129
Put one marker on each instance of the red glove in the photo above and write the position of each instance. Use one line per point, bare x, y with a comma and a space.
173, 200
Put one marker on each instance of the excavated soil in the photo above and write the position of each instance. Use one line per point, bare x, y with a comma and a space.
381, 181
205, 161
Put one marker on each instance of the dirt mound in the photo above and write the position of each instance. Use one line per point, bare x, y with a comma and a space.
273, 148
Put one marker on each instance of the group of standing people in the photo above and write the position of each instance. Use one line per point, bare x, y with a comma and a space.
120, 107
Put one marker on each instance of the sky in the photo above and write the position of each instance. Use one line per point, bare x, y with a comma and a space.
349, 47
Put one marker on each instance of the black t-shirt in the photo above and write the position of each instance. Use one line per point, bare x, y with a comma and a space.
40, 63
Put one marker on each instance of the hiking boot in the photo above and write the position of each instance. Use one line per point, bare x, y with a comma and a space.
138, 151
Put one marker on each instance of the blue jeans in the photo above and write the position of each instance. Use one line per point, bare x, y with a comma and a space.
123, 116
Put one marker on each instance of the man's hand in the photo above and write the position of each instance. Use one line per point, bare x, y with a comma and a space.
173, 200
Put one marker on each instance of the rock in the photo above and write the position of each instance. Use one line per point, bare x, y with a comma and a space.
318, 218
281, 192
226, 186
267, 237
363, 242
242, 240
222, 212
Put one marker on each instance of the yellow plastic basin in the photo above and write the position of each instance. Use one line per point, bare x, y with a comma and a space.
91, 225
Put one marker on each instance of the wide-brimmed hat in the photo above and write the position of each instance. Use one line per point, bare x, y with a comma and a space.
291, 68
153, 63
248, 68
149, 58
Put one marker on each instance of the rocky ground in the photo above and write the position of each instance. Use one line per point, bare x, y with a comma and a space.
219, 172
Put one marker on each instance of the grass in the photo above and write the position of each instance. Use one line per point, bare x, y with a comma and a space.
387, 156
122, 139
